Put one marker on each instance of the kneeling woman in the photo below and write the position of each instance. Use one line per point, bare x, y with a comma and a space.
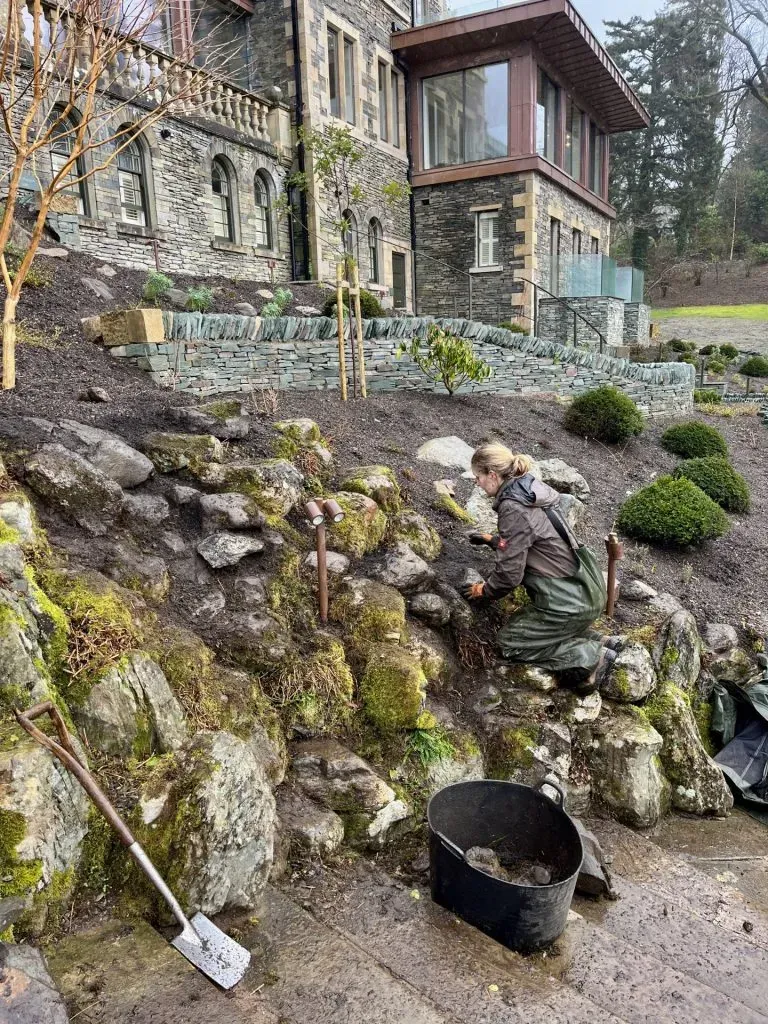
536, 547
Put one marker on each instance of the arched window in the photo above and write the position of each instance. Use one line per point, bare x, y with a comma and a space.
375, 235
263, 187
223, 219
132, 175
62, 144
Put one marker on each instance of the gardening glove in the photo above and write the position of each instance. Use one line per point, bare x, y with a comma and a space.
474, 592
484, 538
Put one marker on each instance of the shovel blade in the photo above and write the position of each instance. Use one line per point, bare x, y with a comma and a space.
220, 958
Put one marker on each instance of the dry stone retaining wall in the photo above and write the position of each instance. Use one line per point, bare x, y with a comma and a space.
209, 354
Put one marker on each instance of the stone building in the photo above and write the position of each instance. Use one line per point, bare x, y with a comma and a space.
510, 113
199, 188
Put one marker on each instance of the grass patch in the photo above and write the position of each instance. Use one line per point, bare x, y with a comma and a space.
730, 412
749, 311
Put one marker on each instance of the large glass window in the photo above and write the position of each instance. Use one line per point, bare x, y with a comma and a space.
596, 157
383, 101
334, 92
374, 249
133, 193
547, 110
223, 220
573, 123
487, 239
465, 116
217, 29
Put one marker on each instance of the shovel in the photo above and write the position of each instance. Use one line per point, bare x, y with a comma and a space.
201, 942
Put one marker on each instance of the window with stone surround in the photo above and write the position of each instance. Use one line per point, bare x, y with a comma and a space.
465, 116
61, 152
576, 242
595, 246
375, 236
342, 72
554, 256
383, 101
547, 117
263, 190
396, 88
132, 166
350, 236
223, 219
487, 238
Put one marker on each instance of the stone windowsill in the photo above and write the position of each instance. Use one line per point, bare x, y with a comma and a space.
267, 254
223, 246
91, 222
138, 231
495, 269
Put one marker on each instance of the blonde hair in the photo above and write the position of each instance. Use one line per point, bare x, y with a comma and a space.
495, 458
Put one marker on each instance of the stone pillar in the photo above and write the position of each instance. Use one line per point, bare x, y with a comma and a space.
637, 323
606, 313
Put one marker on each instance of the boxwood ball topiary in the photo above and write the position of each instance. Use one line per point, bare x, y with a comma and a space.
717, 478
672, 513
605, 414
370, 306
755, 366
694, 440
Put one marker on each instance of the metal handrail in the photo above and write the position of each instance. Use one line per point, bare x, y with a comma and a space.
576, 313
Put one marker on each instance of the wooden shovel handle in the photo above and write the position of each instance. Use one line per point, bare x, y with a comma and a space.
66, 753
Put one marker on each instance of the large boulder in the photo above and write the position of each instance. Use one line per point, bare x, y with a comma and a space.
377, 482
191, 453
132, 710
312, 828
574, 512
413, 529
71, 486
229, 512
393, 688
341, 781
622, 751
27, 992
224, 419
677, 652
697, 784
734, 666
631, 677
718, 636
275, 485
563, 478
209, 824
44, 817
363, 526
451, 452
403, 569
480, 508
224, 548
369, 611
302, 430
110, 454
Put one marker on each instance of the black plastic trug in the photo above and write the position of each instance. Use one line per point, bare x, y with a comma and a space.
517, 822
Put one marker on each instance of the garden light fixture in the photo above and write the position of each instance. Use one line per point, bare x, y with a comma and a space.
317, 510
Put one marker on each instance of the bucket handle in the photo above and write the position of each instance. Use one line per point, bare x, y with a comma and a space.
452, 848
553, 783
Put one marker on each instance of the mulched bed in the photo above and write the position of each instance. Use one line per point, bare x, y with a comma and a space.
723, 581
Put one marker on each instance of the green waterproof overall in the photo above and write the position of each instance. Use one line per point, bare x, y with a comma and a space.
554, 630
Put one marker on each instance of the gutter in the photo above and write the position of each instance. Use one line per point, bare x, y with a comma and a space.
300, 273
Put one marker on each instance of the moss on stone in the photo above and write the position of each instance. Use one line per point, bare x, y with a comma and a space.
454, 509
17, 877
190, 453
247, 480
290, 596
645, 635
370, 613
411, 528
385, 491
363, 527
702, 715
313, 688
55, 645
9, 535
224, 409
670, 657
512, 749
621, 682
392, 688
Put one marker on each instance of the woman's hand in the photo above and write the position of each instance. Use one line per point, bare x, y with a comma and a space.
474, 592
484, 538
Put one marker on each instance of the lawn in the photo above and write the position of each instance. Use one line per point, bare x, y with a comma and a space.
754, 311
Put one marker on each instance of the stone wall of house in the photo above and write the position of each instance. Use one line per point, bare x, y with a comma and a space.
637, 323
179, 202
214, 354
368, 24
445, 217
554, 202
556, 321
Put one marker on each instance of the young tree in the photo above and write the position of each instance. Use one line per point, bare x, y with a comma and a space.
81, 75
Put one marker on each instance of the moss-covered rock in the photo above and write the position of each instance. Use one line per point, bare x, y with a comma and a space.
275, 485
302, 430
313, 689
24, 677
224, 418
377, 482
363, 527
448, 504
18, 523
74, 488
188, 453
393, 688
677, 652
698, 785
413, 529
370, 612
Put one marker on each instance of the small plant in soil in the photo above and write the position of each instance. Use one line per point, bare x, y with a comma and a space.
156, 287
703, 396
280, 303
446, 359
508, 325
672, 513
694, 440
199, 299
729, 351
756, 366
604, 414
